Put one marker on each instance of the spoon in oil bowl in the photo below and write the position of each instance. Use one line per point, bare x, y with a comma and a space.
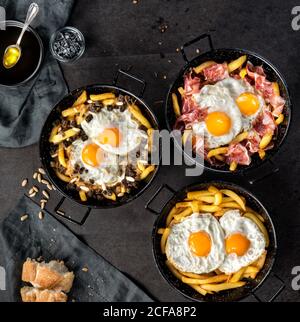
13, 53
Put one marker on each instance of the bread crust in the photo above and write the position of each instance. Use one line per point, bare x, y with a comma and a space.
31, 294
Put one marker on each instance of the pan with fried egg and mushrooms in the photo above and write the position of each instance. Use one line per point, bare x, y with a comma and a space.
214, 242
96, 145
232, 104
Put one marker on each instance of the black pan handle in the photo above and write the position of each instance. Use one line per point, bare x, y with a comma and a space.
66, 217
266, 174
187, 44
141, 81
163, 186
277, 292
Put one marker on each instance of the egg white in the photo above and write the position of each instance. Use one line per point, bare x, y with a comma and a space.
232, 222
131, 135
179, 252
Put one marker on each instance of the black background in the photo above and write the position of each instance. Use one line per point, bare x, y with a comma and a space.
122, 34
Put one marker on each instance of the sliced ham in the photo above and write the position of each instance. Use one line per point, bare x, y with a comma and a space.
265, 123
265, 87
216, 72
252, 142
238, 153
191, 84
185, 121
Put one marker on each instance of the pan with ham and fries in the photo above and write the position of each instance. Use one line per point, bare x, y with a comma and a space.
232, 104
214, 242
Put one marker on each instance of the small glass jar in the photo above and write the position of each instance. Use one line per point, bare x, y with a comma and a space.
67, 44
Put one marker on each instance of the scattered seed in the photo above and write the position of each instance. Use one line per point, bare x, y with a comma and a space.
34, 176
39, 177
24, 217
46, 194
41, 215
177, 50
24, 182
36, 189
54, 155
44, 181
31, 191
130, 179
60, 212
73, 180
49, 187
164, 77
84, 188
41, 171
197, 51
53, 187
85, 269
42, 205
31, 195
44, 200
89, 101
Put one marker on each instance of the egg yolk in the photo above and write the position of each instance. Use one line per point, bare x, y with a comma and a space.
200, 243
92, 155
248, 103
110, 136
237, 243
218, 123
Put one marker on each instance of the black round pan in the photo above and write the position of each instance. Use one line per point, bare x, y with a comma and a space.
224, 296
227, 55
55, 114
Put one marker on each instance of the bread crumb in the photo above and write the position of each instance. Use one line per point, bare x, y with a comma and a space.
85, 269
24, 217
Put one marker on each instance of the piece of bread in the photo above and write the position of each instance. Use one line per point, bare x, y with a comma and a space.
31, 294
53, 275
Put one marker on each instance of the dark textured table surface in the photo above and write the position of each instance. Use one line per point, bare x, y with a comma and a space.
120, 34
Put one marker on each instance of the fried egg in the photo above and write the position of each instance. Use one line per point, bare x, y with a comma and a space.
244, 242
247, 100
114, 131
99, 166
196, 244
232, 106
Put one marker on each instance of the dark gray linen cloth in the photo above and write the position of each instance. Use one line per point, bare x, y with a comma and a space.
23, 109
52, 240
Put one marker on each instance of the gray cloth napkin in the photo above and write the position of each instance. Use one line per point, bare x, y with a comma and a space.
52, 240
23, 109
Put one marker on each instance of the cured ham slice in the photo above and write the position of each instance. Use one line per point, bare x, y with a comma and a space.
216, 72
238, 153
265, 123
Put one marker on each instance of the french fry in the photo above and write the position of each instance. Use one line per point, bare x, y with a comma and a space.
240, 137
222, 286
82, 196
279, 119
196, 194
140, 166
163, 240
233, 166
199, 289
175, 105
195, 276
186, 135
219, 213
276, 88
181, 91
171, 215
67, 134
235, 64
183, 204
112, 196
235, 197
160, 231
260, 262
260, 217
139, 116
53, 132
220, 157
204, 65
262, 153
238, 275
217, 151
109, 101
209, 208
243, 73
63, 177
207, 199
150, 139
174, 271
147, 171
213, 189
210, 280
184, 213
218, 198
71, 111
251, 269
266, 139
61, 155
250, 275
231, 204
102, 97
260, 225
82, 98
